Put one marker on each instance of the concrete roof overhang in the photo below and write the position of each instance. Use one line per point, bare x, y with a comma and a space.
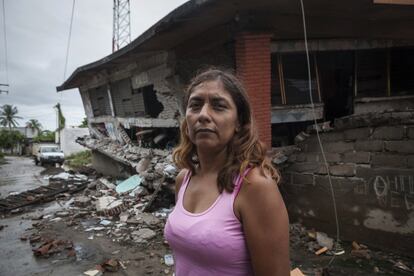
326, 19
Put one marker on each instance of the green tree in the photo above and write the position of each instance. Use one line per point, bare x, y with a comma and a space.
84, 122
34, 124
61, 118
45, 136
8, 116
9, 139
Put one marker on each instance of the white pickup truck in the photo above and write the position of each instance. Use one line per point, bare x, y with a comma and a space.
49, 154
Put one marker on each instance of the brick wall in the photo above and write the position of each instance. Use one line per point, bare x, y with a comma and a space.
371, 161
253, 67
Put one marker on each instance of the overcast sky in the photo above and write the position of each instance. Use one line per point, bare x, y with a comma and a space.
37, 35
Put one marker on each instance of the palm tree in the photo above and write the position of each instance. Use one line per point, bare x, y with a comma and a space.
8, 116
34, 124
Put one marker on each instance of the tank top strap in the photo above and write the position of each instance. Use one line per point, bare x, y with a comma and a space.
239, 181
184, 184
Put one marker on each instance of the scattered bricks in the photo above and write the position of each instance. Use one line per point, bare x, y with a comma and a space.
358, 157
302, 179
388, 160
369, 146
389, 133
338, 147
357, 134
343, 170
400, 146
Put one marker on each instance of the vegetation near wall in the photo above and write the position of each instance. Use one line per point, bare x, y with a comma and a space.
79, 159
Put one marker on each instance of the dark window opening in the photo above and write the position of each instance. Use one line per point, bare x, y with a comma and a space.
336, 77
296, 81
152, 106
160, 138
402, 71
371, 73
276, 96
100, 101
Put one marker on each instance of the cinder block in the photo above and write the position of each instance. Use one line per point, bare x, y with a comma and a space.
332, 136
309, 167
410, 133
358, 157
388, 133
330, 157
410, 161
302, 179
338, 147
388, 160
369, 146
406, 146
343, 170
357, 133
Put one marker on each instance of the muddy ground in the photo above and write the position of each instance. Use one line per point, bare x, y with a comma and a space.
94, 248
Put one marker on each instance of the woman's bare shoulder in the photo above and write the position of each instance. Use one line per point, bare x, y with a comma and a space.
179, 179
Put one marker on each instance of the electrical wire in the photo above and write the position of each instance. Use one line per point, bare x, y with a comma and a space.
317, 128
5, 42
69, 37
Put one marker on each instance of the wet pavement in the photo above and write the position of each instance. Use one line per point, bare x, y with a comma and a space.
19, 174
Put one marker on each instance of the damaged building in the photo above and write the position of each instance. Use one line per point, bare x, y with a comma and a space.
361, 63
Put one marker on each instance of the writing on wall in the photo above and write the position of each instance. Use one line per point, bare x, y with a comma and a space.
390, 191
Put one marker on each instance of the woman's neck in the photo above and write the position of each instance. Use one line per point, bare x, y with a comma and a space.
210, 161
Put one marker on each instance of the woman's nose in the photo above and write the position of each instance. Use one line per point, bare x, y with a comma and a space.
204, 113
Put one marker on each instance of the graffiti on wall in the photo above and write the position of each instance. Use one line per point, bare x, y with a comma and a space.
390, 191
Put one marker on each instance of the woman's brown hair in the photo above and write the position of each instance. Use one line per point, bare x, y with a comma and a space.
243, 151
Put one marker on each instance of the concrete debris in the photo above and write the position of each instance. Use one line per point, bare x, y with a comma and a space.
93, 272
324, 241
107, 203
143, 235
107, 184
129, 185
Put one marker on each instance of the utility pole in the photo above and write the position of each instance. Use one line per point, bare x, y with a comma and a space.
121, 25
4, 91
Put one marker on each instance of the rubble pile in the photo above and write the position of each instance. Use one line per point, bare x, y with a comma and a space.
320, 244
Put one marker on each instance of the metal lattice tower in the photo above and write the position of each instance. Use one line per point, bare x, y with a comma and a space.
121, 25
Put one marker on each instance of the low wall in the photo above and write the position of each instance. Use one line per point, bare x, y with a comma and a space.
68, 140
371, 161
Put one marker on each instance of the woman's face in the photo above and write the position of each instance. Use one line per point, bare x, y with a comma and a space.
211, 116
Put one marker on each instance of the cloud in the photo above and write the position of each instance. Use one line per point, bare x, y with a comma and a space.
37, 34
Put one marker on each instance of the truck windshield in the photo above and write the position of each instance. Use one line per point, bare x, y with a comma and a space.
50, 150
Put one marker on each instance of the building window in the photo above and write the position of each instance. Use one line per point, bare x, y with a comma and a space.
402, 71
100, 101
290, 82
371, 73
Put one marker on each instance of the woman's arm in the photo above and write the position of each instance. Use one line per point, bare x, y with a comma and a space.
265, 224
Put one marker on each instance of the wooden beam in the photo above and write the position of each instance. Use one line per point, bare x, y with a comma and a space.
281, 78
395, 2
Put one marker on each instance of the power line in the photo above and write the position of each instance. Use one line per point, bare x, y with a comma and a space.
69, 37
5, 44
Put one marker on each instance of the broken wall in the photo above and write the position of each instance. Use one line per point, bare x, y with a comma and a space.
371, 161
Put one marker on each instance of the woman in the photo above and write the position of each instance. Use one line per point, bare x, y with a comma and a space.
229, 217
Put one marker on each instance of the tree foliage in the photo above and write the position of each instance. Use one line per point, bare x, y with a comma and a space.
84, 122
34, 124
9, 139
61, 118
45, 136
8, 116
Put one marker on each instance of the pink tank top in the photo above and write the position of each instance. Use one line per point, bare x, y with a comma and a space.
211, 242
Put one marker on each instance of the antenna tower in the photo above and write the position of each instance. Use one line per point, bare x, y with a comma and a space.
121, 25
